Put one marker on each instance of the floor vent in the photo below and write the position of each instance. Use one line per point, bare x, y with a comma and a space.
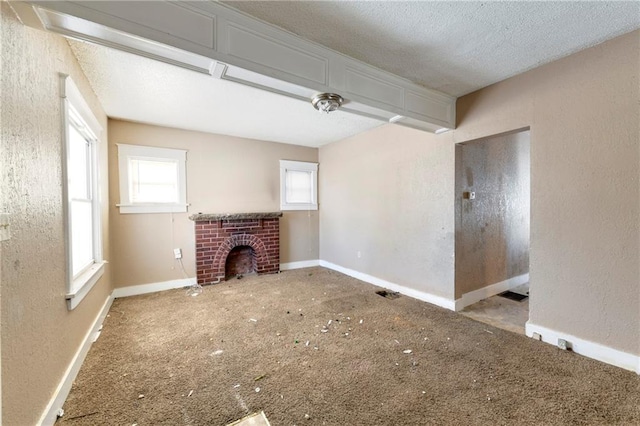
388, 294
513, 296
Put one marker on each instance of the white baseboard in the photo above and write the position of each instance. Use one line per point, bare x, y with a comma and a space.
50, 414
587, 348
443, 302
136, 290
490, 290
298, 265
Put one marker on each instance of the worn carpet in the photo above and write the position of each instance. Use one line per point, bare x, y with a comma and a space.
313, 346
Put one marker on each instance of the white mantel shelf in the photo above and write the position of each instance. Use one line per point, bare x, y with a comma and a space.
208, 217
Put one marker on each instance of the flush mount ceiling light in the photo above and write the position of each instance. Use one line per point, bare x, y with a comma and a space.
327, 102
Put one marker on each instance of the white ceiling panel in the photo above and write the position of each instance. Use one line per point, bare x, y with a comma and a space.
139, 89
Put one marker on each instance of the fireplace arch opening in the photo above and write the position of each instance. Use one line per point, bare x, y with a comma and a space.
241, 260
218, 234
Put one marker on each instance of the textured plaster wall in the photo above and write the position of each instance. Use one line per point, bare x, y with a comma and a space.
2, 190
388, 194
39, 335
492, 230
584, 115
224, 175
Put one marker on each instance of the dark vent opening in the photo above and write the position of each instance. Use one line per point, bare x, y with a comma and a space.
388, 294
513, 296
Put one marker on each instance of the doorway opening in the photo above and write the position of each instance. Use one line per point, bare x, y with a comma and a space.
492, 229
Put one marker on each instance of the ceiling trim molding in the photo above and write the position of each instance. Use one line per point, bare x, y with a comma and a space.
215, 39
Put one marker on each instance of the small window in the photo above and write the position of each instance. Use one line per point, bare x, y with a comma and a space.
152, 180
84, 245
298, 185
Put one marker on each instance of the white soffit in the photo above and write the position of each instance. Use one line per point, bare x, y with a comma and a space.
209, 37
135, 88
450, 46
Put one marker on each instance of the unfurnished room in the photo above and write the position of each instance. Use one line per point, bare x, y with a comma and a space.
319, 213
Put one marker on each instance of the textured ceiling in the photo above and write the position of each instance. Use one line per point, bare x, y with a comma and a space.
139, 89
455, 47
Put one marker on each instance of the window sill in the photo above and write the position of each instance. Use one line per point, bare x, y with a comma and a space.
298, 207
152, 208
83, 284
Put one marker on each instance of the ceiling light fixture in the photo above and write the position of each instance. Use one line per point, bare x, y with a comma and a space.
327, 102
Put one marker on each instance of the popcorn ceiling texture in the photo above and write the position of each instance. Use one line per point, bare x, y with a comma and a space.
39, 335
454, 47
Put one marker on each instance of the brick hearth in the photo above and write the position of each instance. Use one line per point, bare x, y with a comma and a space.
218, 234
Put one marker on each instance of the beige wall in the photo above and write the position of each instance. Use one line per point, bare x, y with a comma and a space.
39, 335
492, 230
224, 175
388, 194
584, 114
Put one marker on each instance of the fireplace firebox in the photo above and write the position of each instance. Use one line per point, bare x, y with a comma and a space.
229, 243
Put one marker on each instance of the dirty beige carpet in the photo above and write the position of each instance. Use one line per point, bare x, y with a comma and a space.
314, 346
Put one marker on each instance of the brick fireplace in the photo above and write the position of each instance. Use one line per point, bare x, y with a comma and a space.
237, 241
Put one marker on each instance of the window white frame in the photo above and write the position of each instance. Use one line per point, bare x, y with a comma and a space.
298, 166
126, 153
76, 113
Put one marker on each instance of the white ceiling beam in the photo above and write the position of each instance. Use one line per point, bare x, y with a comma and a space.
212, 38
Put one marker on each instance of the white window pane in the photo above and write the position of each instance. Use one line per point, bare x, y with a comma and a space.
299, 187
150, 193
81, 235
153, 181
79, 187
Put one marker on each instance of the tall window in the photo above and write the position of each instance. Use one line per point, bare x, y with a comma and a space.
152, 180
298, 185
81, 198
84, 245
